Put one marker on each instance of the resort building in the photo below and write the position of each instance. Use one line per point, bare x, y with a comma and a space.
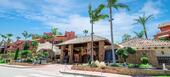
164, 31
78, 50
58, 38
157, 51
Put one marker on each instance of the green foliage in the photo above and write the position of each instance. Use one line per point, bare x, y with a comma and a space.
95, 15
34, 43
143, 20
125, 37
164, 39
133, 65
26, 53
85, 32
16, 54
130, 50
93, 64
2, 61
26, 46
145, 66
18, 37
139, 34
144, 60
116, 65
42, 54
55, 31
26, 35
124, 52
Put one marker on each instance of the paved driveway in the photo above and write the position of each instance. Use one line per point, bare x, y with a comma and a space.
48, 71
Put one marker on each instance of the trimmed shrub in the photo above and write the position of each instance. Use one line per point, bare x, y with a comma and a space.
133, 65
144, 60
2, 61
116, 65
145, 66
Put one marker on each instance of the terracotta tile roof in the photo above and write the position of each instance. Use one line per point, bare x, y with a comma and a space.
83, 39
142, 43
164, 24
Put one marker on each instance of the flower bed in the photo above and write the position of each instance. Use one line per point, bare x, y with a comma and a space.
122, 70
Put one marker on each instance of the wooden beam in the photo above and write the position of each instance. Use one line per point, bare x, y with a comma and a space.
62, 54
70, 48
101, 50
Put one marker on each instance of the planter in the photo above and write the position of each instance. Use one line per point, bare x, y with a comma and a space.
125, 71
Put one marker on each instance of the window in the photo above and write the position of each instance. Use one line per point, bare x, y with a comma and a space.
164, 59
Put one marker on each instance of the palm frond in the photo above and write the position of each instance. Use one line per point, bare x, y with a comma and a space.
99, 9
149, 17
111, 2
120, 6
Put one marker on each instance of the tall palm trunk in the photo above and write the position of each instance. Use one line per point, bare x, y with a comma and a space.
111, 30
92, 58
144, 27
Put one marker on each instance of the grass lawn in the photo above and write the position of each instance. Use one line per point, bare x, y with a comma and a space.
162, 76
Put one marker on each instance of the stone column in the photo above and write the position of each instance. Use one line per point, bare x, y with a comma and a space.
70, 48
101, 50
62, 54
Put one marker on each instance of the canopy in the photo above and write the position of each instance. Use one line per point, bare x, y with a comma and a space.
47, 46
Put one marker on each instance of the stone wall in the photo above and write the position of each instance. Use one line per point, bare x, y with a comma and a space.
135, 58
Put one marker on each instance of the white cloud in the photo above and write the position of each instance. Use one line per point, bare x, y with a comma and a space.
151, 8
12, 4
66, 15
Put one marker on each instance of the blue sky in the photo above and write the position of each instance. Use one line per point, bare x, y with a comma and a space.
38, 16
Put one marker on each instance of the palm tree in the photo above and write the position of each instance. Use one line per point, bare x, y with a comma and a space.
85, 32
126, 37
36, 36
55, 33
139, 34
18, 38
95, 15
26, 35
110, 5
4, 37
3, 42
143, 20
9, 35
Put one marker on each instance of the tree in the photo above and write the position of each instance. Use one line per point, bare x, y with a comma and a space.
36, 36
35, 45
9, 37
4, 37
85, 32
124, 52
126, 37
3, 42
143, 20
9, 40
55, 32
113, 4
164, 39
26, 35
16, 54
139, 34
18, 38
95, 15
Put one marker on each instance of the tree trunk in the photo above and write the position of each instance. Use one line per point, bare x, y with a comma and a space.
52, 49
111, 30
144, 27
92, 59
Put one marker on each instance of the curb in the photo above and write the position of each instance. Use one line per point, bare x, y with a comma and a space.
78, 73
14, 66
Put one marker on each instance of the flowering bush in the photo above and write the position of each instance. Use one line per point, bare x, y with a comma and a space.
97, 64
